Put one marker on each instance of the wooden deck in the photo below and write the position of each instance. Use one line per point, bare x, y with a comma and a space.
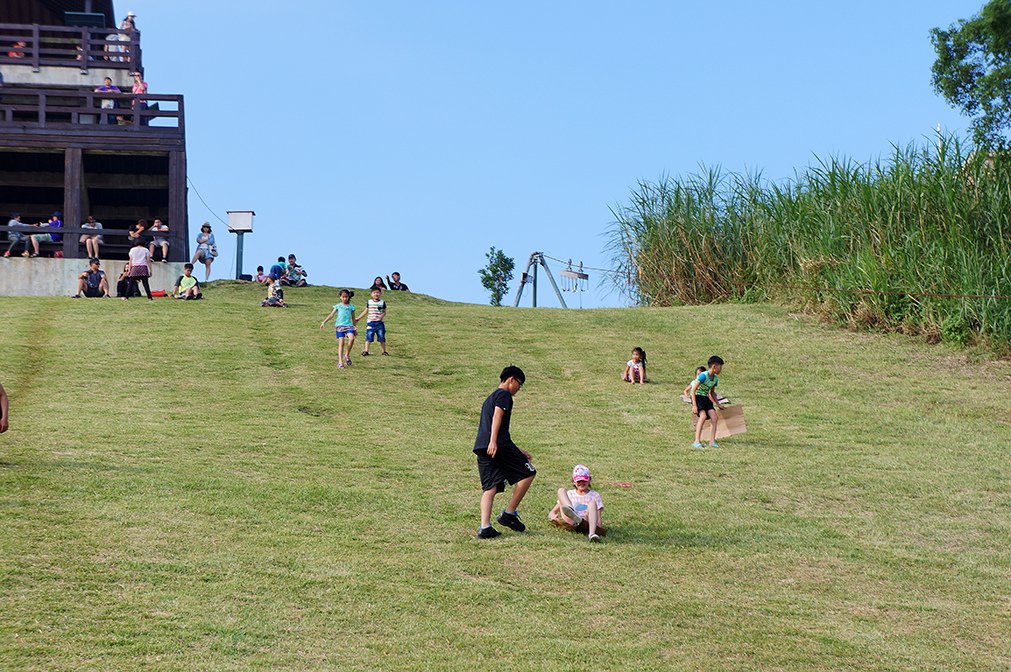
71, 46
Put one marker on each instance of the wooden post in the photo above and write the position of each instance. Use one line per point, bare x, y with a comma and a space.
178, 230
73, 183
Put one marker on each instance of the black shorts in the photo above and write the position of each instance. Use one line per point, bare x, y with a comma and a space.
509, 464
704, 404
93, 292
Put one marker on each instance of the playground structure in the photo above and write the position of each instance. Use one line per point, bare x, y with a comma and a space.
575, 281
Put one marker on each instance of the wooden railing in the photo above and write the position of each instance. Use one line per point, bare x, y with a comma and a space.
70, 244
154, 114
82, 47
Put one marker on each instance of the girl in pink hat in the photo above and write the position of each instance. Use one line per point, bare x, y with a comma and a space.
580, 509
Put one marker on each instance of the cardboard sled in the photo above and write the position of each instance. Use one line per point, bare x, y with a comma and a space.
731, 423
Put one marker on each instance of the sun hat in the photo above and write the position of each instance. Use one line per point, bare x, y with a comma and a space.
581, 472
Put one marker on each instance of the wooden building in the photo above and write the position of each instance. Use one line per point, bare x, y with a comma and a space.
118, 157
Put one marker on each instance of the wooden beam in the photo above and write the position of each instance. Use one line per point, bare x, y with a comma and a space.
179, 249
94, 180
73, 185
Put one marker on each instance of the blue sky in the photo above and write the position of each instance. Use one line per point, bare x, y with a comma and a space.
373, 137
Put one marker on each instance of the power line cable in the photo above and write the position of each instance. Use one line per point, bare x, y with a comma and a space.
231, 260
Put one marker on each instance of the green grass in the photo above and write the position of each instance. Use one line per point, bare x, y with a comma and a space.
194, 486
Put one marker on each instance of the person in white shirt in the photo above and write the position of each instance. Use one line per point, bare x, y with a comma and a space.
140, 270
580, 509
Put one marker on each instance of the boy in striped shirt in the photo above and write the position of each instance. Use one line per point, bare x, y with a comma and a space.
375, 327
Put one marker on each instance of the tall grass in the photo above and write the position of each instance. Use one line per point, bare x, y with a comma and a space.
926, 220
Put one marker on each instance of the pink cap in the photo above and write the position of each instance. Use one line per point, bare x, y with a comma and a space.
580, 472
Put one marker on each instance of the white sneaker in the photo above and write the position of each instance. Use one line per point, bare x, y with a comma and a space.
594, 538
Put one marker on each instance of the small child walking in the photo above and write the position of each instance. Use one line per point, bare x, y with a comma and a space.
580, 509
345, 327
635, 369
375, 326
499, 460
704, 401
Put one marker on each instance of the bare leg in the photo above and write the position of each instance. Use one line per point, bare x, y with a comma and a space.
351, 342
698, 427
80, 286
383, 344
95, 245
714, 417
487, 501
164, 251
104, 286
35, 245
591, 520
207, 275
340, 351
519, 490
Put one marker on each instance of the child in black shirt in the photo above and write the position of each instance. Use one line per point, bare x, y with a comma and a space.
499, 459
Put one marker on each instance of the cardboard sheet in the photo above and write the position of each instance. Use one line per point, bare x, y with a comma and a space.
731, 423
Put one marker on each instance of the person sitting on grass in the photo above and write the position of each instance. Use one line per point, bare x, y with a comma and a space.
345, 327
581, 509
395, 283
187, 287
93, 283
275, 295
294, 275
704, 401
378, 282
499, 460
635, 369
277, 270
688, 388
4, 410
375, 327
260, 277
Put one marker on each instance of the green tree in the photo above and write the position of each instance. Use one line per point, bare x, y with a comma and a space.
496, 275
973, 70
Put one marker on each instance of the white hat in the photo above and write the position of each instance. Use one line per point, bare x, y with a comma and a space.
131, 13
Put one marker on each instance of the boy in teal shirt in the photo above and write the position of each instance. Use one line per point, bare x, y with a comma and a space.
704, 401
345, 327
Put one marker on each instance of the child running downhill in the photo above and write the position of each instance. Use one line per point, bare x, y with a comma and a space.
635, 370
580, 509
499, 459
704, 401
345, 327
375, 327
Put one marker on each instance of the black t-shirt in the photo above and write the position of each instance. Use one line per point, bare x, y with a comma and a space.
503, 400
93, 278
399, 286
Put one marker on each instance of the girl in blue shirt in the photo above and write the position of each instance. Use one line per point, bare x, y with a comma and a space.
345, 323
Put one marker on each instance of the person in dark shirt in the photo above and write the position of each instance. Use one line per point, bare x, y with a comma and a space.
499, 459
395, 283
92, 283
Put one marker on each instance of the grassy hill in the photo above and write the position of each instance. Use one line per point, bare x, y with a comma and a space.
195, 486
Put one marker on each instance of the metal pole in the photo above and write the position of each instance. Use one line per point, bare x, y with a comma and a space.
238, 256
551, 279
534, 284
523, 282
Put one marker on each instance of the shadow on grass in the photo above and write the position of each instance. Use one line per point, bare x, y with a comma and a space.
666, 536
